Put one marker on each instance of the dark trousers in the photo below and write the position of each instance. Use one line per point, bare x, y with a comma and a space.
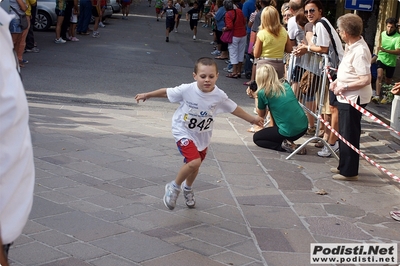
248, 65
270, 138
85, 13
349, 129
224, 46
67, 19
30, 38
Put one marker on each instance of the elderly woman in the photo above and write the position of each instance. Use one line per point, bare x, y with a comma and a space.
286, 13
354, 82
235, 21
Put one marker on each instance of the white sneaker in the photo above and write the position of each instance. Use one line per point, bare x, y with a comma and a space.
176, 30
216, 52
325, 152
60, 40
194, 37
95, 34
170, 196
189, 196
102, 25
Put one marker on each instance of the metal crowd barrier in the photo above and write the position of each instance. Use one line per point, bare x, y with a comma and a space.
314, 99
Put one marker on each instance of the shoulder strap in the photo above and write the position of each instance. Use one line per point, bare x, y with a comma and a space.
234, 18
328, 28
14, 10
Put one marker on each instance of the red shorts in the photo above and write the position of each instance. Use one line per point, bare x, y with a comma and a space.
158, 10
189, 150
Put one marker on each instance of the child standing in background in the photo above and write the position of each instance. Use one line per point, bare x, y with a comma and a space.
72, 26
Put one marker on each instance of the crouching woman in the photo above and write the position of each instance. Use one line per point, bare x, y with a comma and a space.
290, 121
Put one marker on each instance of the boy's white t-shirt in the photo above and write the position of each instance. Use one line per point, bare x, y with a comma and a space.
194, 118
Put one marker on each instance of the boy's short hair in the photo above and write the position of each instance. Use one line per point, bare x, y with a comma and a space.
205, 61
196, 3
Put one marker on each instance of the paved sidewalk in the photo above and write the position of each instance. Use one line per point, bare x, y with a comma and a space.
100, 176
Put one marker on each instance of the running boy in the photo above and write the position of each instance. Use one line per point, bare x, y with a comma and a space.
171, 18
192, 124
194, 18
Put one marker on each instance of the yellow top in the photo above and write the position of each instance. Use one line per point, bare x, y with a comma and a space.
30, 3
272, 47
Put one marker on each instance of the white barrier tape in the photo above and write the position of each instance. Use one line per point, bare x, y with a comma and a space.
360, 109
395, 178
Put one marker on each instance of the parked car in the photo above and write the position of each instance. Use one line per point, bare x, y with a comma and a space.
116, 7
46, 14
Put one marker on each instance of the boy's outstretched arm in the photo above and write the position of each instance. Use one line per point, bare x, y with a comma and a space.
239, 112
160, 93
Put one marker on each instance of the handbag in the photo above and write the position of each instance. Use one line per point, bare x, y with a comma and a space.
309, 83
227, 35
23, 20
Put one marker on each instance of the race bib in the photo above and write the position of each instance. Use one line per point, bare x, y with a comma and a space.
199, 121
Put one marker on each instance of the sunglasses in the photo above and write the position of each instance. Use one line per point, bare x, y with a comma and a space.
311, 11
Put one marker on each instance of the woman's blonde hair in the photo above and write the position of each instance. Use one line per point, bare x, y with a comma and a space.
267, 80
270, 21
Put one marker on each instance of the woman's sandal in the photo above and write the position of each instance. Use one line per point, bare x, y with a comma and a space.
233, 76
254, 129
221, 58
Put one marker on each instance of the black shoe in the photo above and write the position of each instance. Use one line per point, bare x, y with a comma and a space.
167, 39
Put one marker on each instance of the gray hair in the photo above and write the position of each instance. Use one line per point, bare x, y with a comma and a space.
228, 4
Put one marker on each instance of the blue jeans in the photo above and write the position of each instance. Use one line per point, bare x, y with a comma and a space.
85, 13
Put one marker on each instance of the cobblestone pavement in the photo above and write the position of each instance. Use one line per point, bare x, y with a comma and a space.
100, 176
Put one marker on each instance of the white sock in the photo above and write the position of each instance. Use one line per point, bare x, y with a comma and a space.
186, 187
174, 184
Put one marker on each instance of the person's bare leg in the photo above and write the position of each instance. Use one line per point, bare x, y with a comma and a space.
311, 119
188, 172
60, 20
239, 68
334, 124
379, 79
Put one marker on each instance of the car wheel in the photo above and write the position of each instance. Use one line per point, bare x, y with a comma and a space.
42, 21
